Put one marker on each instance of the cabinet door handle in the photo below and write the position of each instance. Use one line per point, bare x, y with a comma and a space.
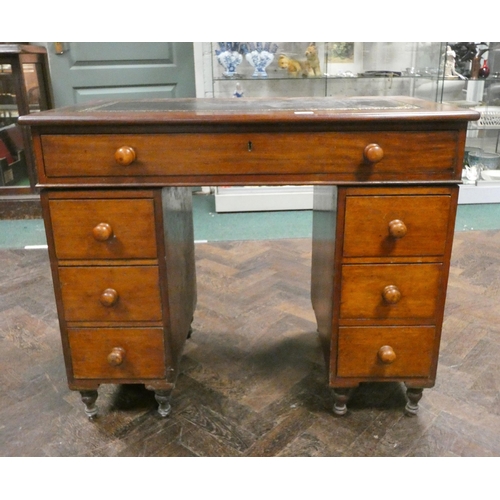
117, 356
109, 297
386, 354
373, 153
125, 155
397, 228
102, 232
391, 294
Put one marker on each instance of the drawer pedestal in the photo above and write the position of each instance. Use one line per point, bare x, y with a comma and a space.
124, 279
379, 286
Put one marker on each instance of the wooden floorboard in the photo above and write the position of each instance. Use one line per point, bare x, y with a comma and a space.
253, 380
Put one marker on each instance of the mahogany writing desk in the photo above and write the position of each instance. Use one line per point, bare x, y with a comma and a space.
115, 179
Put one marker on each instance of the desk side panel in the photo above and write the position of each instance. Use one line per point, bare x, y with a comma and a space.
323, 261
178, 238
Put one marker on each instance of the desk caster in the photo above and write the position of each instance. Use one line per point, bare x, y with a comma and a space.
341, 397
414, 395
89, 398
163, 400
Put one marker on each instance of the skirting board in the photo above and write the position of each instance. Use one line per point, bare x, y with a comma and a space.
483, 192
266, 198
263, 198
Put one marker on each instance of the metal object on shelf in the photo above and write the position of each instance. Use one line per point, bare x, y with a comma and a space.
490, 117
382, 73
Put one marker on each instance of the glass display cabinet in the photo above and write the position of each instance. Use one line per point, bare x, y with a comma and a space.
466, 74
304, 69
24, 89
343, 69
479, 64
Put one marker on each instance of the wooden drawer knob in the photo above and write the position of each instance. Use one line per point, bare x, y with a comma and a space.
125, 155
116, 356
109, 297
373, 153
391, 294
386, 354
102, 232
397, 228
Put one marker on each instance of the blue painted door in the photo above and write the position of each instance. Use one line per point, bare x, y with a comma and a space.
86, 71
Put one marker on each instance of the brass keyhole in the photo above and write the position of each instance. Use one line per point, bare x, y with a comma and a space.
250, 146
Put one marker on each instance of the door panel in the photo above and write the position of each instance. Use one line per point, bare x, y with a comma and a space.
116, 52
87, 71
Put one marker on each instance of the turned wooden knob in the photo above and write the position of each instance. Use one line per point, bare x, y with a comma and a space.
397, 228
102, 232
391, 294
116, 356
373, 153
125, 155
109, 297
386, 354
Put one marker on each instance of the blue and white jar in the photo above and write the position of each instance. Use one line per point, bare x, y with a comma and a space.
259, 56
229, 57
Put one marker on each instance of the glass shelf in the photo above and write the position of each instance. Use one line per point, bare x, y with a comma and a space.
346, 69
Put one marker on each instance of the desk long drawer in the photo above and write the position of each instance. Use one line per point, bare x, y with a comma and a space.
405, 155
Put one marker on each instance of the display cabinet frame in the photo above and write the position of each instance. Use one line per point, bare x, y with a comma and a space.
25, 88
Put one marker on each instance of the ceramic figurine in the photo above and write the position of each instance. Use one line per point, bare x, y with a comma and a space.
472, 173
260, 56
293, 66
229, 57
312, 60
238, 91
308, 67
449, 68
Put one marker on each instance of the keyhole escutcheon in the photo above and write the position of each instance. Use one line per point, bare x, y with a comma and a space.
250, 146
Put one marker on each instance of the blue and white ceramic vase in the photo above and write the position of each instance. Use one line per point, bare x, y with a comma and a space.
229, 57
260, 56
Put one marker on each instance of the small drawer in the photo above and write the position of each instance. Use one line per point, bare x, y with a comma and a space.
371, 292
103, 229
399, 226
119, 293
117, 353
378, 352
360, 156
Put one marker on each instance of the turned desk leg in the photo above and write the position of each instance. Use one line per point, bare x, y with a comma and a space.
414, 395
89, 398
163, 399
341, 397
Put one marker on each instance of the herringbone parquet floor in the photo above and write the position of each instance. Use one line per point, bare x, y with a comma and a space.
253, 380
